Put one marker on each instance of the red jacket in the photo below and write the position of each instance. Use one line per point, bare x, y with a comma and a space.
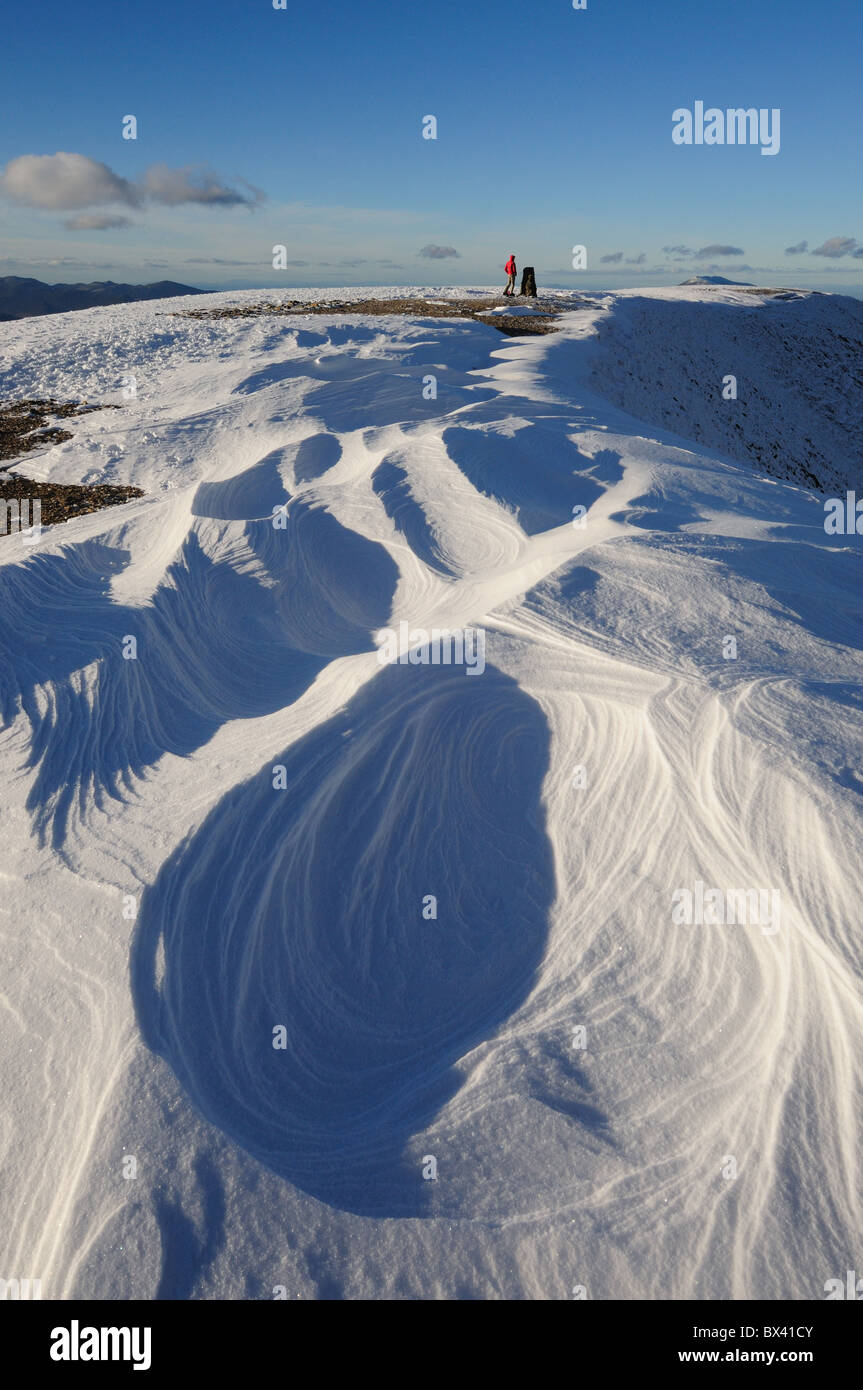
510, 266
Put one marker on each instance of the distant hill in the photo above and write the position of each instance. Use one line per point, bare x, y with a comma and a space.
714, 280
22, 298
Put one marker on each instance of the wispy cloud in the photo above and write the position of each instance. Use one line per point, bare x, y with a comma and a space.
616, 257
837, 246
221, 260
65, 181
195, 184
96, 222
797, 250
680, 253
718, 250
438, 253
52, 260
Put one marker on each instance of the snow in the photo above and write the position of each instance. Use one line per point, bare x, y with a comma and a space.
514, 311
408, 1036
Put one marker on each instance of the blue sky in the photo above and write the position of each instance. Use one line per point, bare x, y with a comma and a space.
302, 127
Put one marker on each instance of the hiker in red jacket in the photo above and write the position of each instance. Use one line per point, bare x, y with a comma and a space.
511, 272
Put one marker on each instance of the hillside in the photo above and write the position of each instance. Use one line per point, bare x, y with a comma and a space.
797, 361
21, 297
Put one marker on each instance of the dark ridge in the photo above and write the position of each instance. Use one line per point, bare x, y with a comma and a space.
22, 298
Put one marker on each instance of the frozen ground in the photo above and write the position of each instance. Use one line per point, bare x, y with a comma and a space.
165, 907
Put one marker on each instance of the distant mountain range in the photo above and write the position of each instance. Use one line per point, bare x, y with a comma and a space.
714, 280
22, 298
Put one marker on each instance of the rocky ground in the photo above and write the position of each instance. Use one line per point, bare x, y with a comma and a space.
541, 320
24, 426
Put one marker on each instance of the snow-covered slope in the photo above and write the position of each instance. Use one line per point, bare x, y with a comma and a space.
796, 358
242, 828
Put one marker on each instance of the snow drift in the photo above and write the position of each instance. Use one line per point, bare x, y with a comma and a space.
241, 829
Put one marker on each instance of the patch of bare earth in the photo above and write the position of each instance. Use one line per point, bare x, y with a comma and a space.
515, 325
24, 426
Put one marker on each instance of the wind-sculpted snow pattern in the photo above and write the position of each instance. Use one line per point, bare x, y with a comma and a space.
423, 979
309, 901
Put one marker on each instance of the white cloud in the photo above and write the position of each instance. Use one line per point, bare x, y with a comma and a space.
836, 246
64, 181
96, 222
67, 181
